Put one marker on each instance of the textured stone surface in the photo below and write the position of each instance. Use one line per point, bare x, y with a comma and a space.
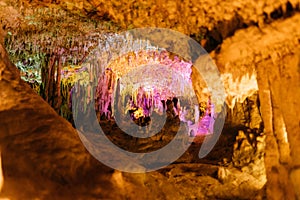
37, 145
274, 59
210, 22
295, 177
187, 16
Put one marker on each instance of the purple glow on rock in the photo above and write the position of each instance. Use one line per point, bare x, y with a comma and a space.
155, 79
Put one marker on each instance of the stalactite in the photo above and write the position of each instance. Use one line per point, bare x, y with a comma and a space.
58, 81
49, 79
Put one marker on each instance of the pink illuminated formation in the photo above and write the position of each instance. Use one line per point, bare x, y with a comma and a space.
150, 81
142, 84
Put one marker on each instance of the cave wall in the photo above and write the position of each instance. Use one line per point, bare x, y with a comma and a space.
274, 60
208, 21
279, 90
38, 147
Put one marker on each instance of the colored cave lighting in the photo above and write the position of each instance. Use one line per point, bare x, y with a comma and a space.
140, 84
146, 82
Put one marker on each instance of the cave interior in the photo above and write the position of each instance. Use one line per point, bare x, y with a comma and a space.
69, 71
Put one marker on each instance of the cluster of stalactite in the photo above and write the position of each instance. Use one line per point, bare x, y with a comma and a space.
133, 89
43, 41
51, 72
105, 89
53, 53
140, 104
123, 84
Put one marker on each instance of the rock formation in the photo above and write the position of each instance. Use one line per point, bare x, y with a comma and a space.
256, 48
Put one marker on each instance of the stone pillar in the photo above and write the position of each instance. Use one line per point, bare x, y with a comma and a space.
289, 99
279, 99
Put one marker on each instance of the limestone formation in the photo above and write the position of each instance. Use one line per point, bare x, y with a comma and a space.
255, 45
